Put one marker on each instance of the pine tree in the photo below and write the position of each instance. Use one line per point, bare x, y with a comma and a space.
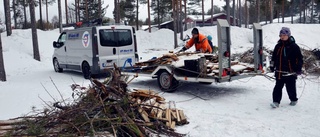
161, 10
92, 11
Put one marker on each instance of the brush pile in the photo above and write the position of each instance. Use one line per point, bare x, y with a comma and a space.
104, 109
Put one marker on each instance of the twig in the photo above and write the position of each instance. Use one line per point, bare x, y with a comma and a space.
48, 92
44, 102
58, 91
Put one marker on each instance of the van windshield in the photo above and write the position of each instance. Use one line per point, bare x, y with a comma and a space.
118, 37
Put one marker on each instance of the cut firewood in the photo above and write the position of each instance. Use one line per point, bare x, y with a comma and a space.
173, 125
144, 115
168, 116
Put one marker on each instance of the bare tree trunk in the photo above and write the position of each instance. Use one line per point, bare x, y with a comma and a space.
211, 12
40, 10
246, 14
234, 13
137, 15
60, 16
228, 11
240, 14
99, 10
25, 14
2, 70
312, 8
271, 11
47, 17
282, 13
36, 54
158, 4
266, 10
119, 15
174, 11
87, 12
300, 14
149, 20
14, 13
291, 10
7, 15
202, 13
180, 20
258, 11
185, 14
66, 8
304, 13
75, 10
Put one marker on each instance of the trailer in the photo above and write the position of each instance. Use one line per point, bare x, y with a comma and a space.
172, 68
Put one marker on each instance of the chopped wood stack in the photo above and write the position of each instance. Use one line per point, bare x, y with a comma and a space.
154, 107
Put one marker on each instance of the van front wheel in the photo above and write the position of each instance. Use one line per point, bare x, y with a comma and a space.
56, 66
86, 70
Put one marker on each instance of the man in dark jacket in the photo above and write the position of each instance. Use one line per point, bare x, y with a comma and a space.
287, 63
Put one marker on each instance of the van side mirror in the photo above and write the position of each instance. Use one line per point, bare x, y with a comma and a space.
57, 44
54, 44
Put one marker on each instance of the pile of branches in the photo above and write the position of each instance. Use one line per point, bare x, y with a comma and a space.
106, 108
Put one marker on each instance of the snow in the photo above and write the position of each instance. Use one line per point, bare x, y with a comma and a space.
236, 108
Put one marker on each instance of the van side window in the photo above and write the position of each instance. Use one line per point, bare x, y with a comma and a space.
118, 37
107, 38
125, 37
62, 37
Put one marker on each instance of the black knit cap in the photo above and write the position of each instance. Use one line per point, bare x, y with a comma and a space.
195, 31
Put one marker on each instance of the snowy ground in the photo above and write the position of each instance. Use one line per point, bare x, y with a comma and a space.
237, 108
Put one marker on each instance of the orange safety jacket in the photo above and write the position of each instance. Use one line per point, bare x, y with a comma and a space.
202, 45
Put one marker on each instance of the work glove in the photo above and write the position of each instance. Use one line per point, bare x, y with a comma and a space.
183, 49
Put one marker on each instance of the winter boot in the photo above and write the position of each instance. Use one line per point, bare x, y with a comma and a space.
274, 105
293, 103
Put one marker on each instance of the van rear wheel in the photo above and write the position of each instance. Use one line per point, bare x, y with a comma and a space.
56, 66
86, 70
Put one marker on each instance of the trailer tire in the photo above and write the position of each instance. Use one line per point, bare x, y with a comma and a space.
167, 82
86, 70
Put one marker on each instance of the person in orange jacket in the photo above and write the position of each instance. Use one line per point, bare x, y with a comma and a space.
200, 41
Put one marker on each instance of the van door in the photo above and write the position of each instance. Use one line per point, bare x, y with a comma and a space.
108, 49
60, 52
126, 52
117, 46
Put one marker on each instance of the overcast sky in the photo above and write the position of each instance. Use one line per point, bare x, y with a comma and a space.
142, 15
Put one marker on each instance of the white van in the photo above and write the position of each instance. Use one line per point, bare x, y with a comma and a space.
90, 50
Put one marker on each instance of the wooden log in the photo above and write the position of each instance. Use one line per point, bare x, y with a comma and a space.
183, 119
144, 115
173, 125
178, 115
173, 115
168, 117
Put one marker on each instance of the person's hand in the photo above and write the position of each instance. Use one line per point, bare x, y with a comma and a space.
183, 49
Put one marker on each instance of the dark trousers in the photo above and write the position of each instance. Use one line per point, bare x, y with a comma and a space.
290, 82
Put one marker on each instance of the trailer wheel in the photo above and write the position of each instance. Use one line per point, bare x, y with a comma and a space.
167, 82
86, 70
56, 65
